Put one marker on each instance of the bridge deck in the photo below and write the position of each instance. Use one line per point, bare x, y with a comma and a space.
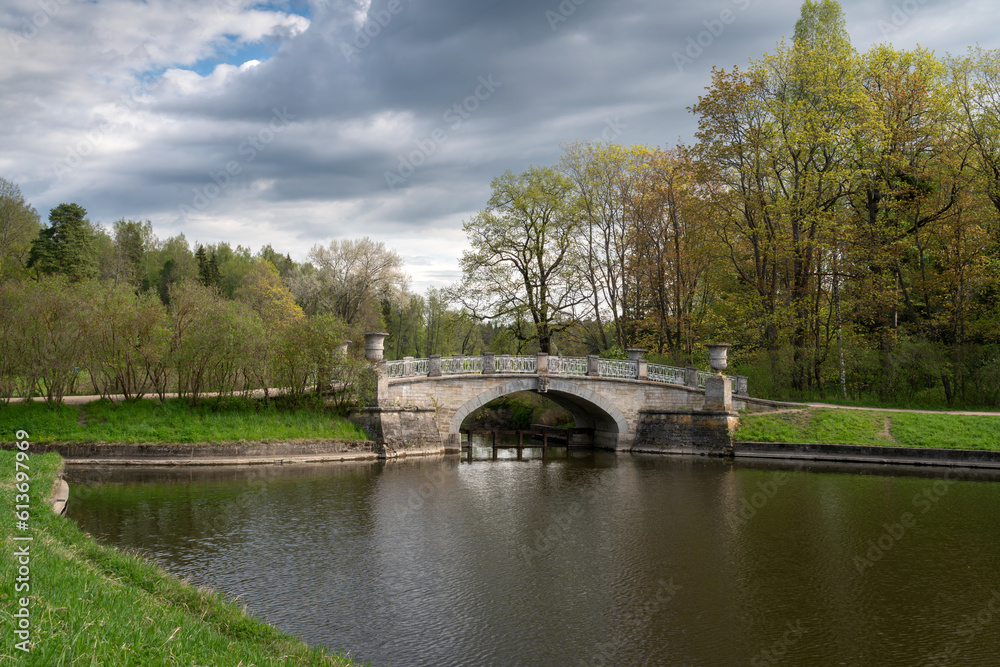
543, 364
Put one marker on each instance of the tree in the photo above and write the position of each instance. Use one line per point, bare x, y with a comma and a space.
672, 252
404, 320
264, 291
232, 265
775, 149
208, 267
18, 226
525, 261
127, 340
210, 339
350, 279
50, 335
975, 82
175, 263
904, 182
821, 27
14, 375
307, 355
130, 249
284, 263
447, 331
605, 177
66, 245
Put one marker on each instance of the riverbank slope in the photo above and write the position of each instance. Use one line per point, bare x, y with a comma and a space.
176, 422
873, 428
95, 605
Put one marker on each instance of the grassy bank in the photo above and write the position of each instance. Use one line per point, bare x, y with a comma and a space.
872, 427
94, 605
175, 421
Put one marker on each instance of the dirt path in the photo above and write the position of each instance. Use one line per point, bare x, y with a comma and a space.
79, 400
789, 405
926, 412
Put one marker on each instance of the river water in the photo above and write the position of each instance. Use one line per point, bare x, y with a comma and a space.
590, 558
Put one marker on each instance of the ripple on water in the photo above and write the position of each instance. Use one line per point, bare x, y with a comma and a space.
625, 560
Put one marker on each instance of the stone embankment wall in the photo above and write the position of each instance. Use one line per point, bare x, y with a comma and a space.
688, 432
209, 453
401, 431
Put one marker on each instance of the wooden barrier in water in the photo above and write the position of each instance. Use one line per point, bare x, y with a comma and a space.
550, 437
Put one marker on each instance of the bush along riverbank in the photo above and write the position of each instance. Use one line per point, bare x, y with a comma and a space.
176, 421
72, 601
872, 428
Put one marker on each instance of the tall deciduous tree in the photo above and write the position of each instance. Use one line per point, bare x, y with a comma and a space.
605, 178
672, 251
349, 279
525, 258
773, 145
18, 227
131, 245
264, 291
975, 82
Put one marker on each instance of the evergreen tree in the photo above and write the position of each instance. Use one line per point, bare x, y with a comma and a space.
202, 258
208, 267
66, 245
214, 275
169, 275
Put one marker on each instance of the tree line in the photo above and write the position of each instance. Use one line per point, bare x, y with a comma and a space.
837, 219
116, 310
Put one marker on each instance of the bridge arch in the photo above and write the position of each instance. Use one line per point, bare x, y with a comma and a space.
589, 408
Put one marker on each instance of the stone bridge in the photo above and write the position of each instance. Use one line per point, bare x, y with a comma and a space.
422, 402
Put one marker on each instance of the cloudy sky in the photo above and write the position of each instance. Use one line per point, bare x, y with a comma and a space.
293, 123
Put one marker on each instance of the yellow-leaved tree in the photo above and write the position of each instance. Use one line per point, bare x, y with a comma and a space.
263, 290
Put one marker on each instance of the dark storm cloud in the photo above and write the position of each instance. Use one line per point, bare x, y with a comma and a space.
397, 114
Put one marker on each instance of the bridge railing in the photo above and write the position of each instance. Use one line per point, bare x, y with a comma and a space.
407, 367
616, 368
461, 364
568, 365
665, 374
528, 364
511, 363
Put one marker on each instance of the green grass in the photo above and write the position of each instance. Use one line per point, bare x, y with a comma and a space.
174, 421
875, 403
872, 427
95, 605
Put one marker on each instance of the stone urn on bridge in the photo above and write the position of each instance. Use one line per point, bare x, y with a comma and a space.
718, 387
